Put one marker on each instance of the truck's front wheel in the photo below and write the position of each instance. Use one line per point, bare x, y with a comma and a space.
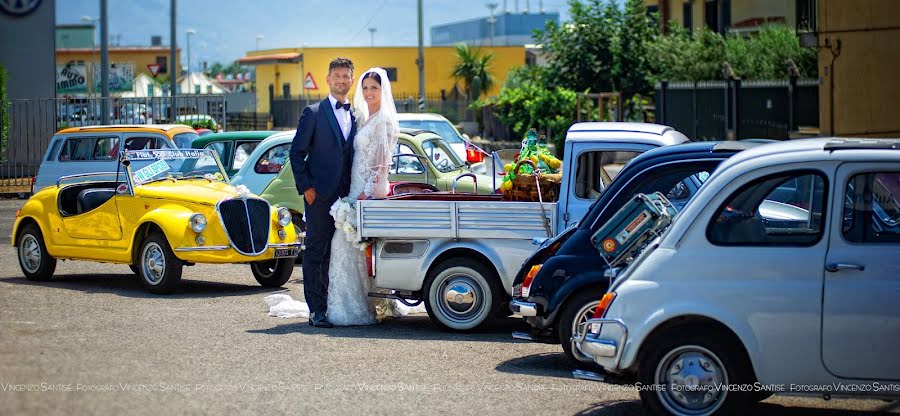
461, 294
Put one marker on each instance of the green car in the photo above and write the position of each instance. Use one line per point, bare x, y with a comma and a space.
430, 149
232, 147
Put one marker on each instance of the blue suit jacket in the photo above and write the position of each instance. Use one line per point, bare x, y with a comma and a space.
317, 155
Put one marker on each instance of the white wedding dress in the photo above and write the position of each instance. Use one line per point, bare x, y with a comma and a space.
348, 280
349, 283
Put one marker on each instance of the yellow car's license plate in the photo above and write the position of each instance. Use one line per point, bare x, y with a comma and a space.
285, 252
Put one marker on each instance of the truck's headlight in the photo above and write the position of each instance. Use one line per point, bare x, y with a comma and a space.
198, 223
284, 216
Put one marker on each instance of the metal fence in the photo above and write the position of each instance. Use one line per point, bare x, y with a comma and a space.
286, 111
730, 110
33, 122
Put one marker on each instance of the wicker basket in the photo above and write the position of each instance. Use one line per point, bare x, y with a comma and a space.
525, 187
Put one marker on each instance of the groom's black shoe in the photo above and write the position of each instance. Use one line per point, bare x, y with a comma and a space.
320, 321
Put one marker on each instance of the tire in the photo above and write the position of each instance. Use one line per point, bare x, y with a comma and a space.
159, 269
34, 260
272, 273
475, 289
300, 227
577, 310
673, 354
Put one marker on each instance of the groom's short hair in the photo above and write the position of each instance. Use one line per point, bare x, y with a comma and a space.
340, 63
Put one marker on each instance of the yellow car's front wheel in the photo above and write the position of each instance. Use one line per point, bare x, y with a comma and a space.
273, 273
159, 269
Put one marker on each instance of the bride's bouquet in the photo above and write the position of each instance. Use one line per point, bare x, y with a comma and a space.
344, 213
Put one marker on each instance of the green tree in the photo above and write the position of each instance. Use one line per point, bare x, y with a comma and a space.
633, 67
473, 67
580, 53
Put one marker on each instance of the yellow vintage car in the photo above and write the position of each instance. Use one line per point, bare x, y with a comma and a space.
159, 211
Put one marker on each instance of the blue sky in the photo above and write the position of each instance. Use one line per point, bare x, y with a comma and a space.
226, 29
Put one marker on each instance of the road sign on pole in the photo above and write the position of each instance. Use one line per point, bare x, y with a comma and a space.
154, 69
309, 83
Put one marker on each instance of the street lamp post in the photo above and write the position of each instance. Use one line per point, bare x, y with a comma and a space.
259, 38
491, 20
190, 32
372, 32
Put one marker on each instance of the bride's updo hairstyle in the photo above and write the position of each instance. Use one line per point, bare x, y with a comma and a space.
374, 75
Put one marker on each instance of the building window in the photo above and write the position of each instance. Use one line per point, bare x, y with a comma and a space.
651, 10
286, 90
687, 9
391, 73
711, 13
161, 61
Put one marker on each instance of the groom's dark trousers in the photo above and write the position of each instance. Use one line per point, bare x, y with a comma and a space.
320, 159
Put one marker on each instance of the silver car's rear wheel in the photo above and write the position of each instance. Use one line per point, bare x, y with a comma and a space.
693, 377
461, 294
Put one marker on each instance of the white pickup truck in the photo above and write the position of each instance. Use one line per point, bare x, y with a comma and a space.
459, 253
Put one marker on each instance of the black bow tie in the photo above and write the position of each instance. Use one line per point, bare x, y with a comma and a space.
338, 106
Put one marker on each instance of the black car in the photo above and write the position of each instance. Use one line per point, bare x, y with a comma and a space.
559, 286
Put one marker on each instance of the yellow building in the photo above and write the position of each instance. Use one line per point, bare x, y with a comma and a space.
724, 15
285, 70
138, 56
859, 57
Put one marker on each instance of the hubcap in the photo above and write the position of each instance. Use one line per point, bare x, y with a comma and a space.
265, 269
153, 263
461, 298
30, 253
693, 378
579, 325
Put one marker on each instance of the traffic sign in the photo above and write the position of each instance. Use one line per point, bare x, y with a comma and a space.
154, 69
309, 83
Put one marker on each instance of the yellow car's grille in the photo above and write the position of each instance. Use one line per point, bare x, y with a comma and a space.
247, 223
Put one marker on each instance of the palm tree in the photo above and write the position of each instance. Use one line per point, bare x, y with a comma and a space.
472, 67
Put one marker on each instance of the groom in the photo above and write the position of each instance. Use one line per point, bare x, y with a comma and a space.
321, 155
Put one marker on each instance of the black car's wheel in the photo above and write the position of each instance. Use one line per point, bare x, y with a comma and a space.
272, 273
461, 294
34, 260
159, 269
572, 318
689, 365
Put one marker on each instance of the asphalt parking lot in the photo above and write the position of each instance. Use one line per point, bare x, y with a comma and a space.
93, 342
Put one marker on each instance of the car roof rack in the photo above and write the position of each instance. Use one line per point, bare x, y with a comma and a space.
731, 146
864, 144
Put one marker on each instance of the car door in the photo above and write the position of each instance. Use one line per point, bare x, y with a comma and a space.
101, 222
408, 168
593, 167
861, 305
266, 166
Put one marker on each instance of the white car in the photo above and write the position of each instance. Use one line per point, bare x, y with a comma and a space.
264, 163
728, 307
439, 125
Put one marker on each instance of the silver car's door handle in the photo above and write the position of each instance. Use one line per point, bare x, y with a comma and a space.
834, 267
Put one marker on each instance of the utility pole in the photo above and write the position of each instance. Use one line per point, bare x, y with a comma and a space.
104, 62
190, 32
491, 20
173, 68
259, 38
421, 61
372, 32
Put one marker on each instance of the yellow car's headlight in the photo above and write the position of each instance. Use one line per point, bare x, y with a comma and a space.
284, 216
198, 222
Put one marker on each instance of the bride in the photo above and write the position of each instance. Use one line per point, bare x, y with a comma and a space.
349, 283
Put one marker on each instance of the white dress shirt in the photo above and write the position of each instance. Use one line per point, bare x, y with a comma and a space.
342, 116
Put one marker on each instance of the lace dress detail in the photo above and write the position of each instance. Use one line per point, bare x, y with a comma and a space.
349, 283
